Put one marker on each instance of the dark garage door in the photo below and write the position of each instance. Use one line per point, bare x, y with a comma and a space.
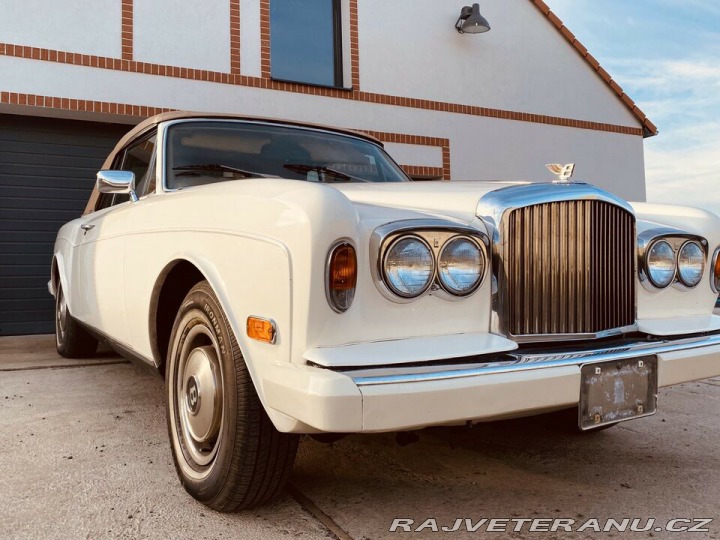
47, 169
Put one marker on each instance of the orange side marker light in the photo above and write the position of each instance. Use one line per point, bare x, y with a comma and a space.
261, 329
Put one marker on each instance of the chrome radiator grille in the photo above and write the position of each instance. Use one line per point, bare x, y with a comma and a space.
569, 268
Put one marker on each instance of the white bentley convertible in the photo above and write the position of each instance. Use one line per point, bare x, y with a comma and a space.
289, 279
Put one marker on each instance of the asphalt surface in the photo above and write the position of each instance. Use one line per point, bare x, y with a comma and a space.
85, 455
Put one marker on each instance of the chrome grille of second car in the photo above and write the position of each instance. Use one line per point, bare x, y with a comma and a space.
569, 268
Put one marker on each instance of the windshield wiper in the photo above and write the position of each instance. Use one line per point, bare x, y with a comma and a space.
195, 170
302, 169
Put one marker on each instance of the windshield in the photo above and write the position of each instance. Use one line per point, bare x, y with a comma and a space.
214, 151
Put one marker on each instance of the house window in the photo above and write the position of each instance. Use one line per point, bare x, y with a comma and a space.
306, 41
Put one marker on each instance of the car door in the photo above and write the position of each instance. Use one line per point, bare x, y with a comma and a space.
99, 263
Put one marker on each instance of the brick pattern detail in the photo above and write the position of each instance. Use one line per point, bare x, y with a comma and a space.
144, 111
67, 104
354, 46
428, 172
265, 38
127, 29
649, 128
444, 144
235, 36
262, 82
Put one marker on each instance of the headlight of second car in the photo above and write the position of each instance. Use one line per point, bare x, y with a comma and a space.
691, 264
461, 266
409, 266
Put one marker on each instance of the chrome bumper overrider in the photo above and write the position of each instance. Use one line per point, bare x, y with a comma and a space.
519, 362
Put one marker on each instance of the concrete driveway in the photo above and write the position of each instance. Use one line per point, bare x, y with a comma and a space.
85, 455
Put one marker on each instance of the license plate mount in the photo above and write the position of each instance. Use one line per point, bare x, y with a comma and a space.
618, 390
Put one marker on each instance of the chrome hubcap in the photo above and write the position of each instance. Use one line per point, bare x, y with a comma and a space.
199, 396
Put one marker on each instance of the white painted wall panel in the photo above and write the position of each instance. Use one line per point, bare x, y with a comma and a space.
191, 33
250, 38
494, 149
415, 154
77, 26
411, 48
481, 148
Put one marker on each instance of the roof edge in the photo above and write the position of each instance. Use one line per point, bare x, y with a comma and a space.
649, 129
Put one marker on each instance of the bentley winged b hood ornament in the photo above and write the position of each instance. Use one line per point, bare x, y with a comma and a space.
563, 172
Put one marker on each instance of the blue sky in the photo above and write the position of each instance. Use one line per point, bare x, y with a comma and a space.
666, 56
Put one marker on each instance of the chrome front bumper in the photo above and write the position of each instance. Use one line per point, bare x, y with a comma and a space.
302, 398
526, 362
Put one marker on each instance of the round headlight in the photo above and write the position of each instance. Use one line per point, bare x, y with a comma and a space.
461, 266
409, 266
691, 264
660, 263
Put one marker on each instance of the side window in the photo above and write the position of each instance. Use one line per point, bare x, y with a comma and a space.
306, 41
139, 159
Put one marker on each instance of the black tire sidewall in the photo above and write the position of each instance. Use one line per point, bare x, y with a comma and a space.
60, 343
77, 342
204, 308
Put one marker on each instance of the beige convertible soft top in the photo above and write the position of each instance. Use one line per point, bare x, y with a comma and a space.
150, 123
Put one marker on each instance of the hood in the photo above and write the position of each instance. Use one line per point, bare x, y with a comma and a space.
458, 200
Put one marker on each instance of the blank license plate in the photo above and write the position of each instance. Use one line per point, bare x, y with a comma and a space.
615, 391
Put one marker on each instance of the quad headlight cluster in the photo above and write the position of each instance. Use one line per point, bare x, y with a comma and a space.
410, 266
411, 258
665, 265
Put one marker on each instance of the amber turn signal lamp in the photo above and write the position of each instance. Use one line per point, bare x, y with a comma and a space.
341, 276
716, 271
261, 329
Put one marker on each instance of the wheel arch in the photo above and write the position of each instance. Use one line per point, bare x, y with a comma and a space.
54, 276
58, 277
171, 286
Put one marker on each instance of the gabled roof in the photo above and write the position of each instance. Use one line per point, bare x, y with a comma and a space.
649, 128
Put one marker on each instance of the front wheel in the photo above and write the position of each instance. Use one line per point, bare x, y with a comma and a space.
227, 453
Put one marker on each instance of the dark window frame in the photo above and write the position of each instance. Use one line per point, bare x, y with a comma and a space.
338, 64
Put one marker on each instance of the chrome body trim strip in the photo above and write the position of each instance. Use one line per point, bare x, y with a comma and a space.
526, 362
577, 336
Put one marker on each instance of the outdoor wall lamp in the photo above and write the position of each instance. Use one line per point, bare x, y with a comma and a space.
471, 22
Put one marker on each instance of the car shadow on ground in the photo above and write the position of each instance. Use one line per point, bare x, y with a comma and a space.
537, 466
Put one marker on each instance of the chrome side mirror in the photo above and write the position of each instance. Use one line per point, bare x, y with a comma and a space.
120, 182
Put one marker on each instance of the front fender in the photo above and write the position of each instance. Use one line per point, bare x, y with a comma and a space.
59, 265
250, 275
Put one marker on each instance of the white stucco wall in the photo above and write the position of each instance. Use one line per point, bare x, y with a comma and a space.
411, 48
481, 148
191, 33
68, 25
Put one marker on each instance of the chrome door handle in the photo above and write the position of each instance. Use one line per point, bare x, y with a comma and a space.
87, 227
